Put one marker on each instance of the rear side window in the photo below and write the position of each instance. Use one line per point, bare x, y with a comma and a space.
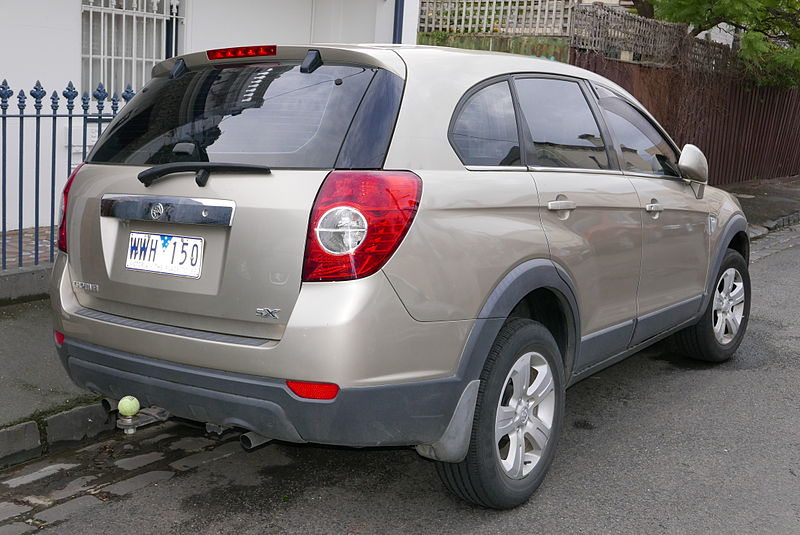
484, 131
564, 130
269, 114
643, 148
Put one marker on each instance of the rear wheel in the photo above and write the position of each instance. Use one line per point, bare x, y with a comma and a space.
716, 337
517, 420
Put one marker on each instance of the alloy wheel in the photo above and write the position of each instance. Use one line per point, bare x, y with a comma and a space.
524, 416
729, 304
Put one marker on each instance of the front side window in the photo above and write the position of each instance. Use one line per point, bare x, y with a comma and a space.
643, 148
484, 131
564, 130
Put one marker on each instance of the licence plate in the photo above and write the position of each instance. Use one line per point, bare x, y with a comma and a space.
165, 253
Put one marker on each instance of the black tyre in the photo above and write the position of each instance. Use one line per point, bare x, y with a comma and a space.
716, 337
517, 422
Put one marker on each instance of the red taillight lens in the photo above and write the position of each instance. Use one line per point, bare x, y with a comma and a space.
313, 390
59, 338
358, 221
62, 226
242, 52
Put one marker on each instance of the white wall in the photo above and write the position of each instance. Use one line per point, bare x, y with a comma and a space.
215, 24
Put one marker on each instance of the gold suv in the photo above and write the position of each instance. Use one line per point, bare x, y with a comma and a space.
378, 245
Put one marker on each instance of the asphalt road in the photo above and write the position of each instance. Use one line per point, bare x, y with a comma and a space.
655, 444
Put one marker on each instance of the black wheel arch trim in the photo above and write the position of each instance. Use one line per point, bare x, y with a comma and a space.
526, 277
735, 225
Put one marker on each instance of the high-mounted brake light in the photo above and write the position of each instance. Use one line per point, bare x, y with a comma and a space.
358, 220
242, 52
62, 226
308, 390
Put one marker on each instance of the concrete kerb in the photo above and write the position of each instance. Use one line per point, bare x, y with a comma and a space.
53, 430
24, 283
760, 230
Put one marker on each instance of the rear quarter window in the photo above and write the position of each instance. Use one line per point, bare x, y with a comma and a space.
484, 129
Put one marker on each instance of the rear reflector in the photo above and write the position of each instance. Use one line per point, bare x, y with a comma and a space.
59, 338
313, 390
242, 52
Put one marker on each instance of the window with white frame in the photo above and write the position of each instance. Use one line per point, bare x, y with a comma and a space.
123, 39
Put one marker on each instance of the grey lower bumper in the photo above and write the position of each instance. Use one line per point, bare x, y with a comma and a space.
392, 415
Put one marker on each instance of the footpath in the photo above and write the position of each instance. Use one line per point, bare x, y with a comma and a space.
41, 411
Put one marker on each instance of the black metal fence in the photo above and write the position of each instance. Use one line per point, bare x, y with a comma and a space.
15, 249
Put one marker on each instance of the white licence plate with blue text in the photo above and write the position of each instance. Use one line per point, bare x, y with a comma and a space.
165, 253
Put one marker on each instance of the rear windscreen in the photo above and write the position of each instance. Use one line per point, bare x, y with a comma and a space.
269, 114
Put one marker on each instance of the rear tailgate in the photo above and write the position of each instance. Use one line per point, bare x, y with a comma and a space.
225, 257
249, 258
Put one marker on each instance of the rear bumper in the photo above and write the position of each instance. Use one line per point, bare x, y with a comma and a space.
392, 415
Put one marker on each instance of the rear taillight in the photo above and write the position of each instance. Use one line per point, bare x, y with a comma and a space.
59, 338
358, 221
62, 226
242, 52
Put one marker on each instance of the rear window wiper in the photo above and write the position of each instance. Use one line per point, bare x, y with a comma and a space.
202, 169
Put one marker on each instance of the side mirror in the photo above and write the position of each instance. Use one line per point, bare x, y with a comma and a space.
693, 164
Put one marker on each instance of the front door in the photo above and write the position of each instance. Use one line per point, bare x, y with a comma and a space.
675, 232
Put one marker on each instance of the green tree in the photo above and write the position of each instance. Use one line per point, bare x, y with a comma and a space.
769, 31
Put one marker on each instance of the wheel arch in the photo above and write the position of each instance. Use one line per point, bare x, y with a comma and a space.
537, 289
734, 236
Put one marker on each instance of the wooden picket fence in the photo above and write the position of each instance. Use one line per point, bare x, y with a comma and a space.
551, 18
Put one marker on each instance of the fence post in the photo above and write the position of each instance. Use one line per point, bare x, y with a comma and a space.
21, 105
38, 93
85, 106
69, 93
5, 94
100, 95
54, 107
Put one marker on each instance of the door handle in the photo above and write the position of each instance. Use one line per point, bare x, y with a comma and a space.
654, 207
561, 205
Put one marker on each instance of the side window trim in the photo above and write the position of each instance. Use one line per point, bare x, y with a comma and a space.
527, 139
465, 98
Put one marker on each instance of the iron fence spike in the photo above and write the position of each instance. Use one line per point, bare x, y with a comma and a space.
100, 93
5, 94
38, 93
128, 94
54, 100
21, 98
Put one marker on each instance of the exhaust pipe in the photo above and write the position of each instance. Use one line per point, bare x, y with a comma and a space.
252, 440
109, 405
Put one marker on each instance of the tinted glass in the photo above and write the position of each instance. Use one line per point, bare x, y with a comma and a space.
265, 114
644, 149
564, 130
485, 130
368, 138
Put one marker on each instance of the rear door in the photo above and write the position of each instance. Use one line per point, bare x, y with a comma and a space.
226, 257
589, 209
675, 239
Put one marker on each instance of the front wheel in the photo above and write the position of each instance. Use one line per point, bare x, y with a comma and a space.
518, 416
716, 337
